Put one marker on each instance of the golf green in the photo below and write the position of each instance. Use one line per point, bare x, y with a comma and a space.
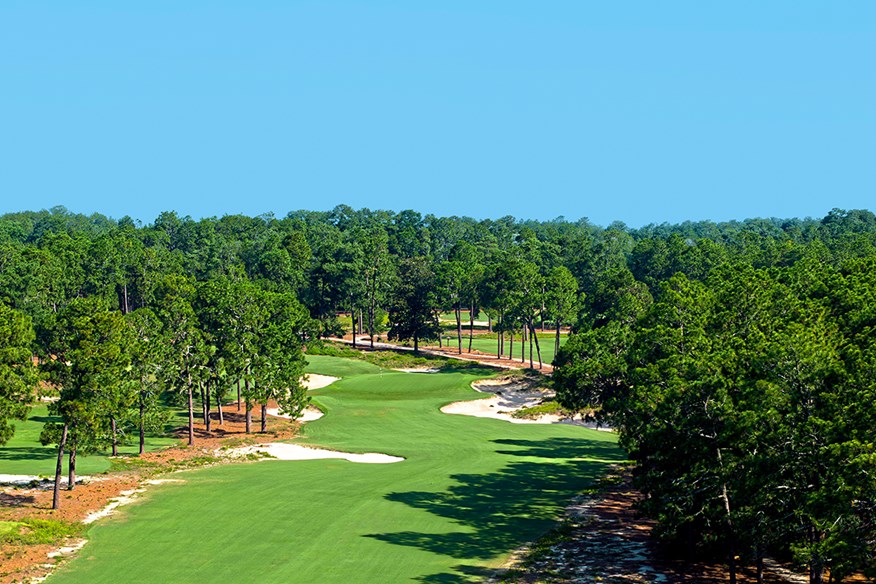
470, 491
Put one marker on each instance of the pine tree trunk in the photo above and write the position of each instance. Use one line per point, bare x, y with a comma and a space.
142, 425
353, 320
207, 400
557, 341
191, 415
115, 432
459, 328
219, 407
248, 405
238, 394
59, 469
264, 418
71, 469
537, 349
759, 565
416, 344
489, 323
470, 327
371, 323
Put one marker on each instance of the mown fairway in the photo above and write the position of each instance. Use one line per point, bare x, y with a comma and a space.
488, 345
25, 455
470, 491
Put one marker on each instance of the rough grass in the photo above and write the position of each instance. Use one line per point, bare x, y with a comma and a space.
470, 491
37, 531
544, 408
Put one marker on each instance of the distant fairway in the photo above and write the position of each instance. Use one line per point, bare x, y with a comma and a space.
488, 345
470, 491
25, 455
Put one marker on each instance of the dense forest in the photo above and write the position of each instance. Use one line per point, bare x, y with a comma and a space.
736, 360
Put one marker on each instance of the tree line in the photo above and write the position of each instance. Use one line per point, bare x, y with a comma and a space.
734, 358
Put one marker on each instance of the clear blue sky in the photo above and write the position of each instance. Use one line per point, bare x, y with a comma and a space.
638, 111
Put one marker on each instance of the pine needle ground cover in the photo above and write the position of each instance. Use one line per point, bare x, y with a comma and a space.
470, 491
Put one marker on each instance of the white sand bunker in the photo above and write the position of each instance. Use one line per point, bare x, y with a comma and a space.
309, 414
508, 397
39, 481
284, 451
418, 370
317, 381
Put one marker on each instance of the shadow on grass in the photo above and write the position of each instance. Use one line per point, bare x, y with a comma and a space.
28, 453
499, 512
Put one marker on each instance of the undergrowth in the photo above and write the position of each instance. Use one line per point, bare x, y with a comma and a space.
38, 531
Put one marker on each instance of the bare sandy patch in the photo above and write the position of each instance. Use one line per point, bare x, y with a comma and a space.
418, 370
317, 381
285, 451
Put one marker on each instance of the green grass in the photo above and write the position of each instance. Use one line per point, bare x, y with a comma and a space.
24, 454
547, 407
470, 491
487, 344
451, 317
37, 531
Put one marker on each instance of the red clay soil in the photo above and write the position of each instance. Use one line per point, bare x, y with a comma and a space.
19, 563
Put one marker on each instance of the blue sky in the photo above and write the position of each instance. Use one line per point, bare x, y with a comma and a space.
634, 111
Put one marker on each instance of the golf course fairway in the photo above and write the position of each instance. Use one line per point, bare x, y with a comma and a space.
469, 491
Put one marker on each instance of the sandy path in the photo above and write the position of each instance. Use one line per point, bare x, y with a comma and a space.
285, 451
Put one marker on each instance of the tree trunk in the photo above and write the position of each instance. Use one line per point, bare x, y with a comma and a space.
371, 323
459, 328
470, 327
511, 344
207, 406
537, 349
59, 468
353, 320
416, 344
126, 298
191, 415
115, 432
71, 469
219, 407
759, 565
238, 394
557, 341
264, 418
248, 406
142, 425
489, 323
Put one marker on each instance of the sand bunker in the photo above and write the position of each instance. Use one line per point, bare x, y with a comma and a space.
309, 414
317, 381
418, 370
508, 397
284, 451
39, 481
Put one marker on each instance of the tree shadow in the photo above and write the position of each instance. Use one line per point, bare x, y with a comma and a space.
500, 511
